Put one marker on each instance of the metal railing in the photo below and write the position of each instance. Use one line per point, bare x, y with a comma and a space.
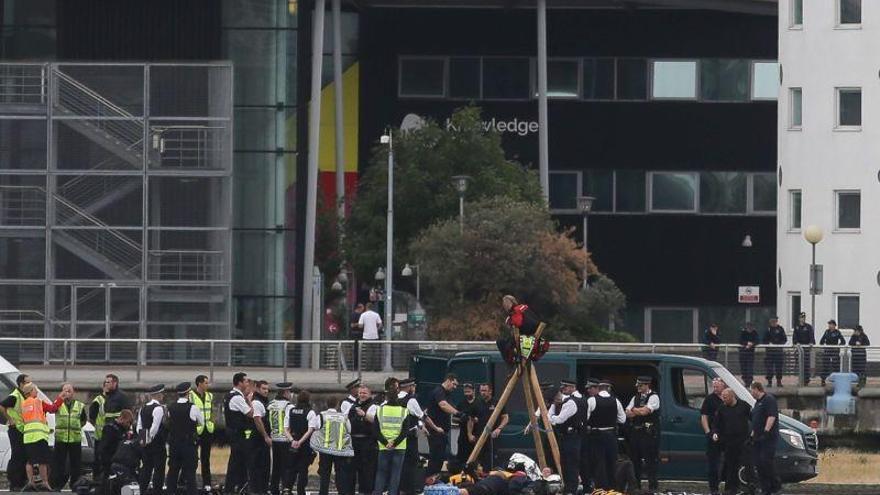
357, 357
22, 206
187, 146
186, 265
23, 84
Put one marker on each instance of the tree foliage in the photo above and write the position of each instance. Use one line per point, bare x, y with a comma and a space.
424, 162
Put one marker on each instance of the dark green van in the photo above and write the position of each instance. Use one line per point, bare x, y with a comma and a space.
682, 382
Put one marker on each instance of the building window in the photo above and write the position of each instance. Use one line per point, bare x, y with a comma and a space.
564, 190
464, 78
796, 17
794, 209
849, 210
849, 107
600, 185
671, 325
598, 76
632, 79
422, 77
849, 12
765, 80
847, 310
674, 79
794, 307
629, 191
762, 194
723, 192
506, 78
796, 100
724, 80
562, 79
673, 191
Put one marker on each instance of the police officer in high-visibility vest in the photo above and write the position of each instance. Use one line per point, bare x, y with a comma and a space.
301, 454
184, 417
332, 439
103, 411
363, 441
204, 400
153, 434
391, 424
278, 411
643, 413
238, 414
36, 433
11, 407
69, 421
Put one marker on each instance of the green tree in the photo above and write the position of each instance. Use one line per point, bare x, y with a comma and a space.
425, 161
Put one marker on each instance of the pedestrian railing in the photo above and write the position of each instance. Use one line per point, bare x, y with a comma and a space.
121, 347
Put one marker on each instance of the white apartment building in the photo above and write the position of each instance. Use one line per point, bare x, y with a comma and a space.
829, 158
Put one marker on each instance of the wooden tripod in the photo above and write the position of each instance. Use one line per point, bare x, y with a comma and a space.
532, 390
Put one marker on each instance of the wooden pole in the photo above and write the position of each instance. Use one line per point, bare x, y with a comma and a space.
490, 425
533, 423
545, 417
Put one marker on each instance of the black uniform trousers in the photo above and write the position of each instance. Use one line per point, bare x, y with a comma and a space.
153, 469
733, 459
465, 447
15, 468
182, 463
570, 449
260, 463
859, 362
124, 476
808, 361
588, 460
830, 362
773, 364
603, 448
363, 472
410, 463
713, 460
747, 366
437, 447
280, 465
240, 455
487, 455
340, 466
765, 455
298, 469
205, 440
66, 452
646, 452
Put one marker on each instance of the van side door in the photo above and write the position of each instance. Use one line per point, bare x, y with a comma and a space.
683, 443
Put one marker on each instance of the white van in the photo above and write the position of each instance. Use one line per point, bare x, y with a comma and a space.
8, 374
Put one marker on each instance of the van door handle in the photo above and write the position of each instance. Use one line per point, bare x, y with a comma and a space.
677, 419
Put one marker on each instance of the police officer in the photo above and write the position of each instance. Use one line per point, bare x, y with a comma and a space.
858, 341
392, 422
11, 407
204, 400
301, 454
184, 418
711, 341
279, 410
261, 442
407, 396
69, 421
773, 358
748, 340
765, 435
830, 357
352, 388
803, 335
588, 456
361, 415
566, 416
237, 413
332, 439
604, 413
153, 435
643, 413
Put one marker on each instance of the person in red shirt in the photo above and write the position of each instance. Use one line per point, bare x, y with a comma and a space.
521, 317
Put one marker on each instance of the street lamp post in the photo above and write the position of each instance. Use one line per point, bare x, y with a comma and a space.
461, 184
389, 251
813, 235
585, 204
408, 272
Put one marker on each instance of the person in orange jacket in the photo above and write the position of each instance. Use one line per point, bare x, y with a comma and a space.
36, 433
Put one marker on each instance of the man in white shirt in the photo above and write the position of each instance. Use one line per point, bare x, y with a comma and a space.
604, 413
239, 428
261, 442
370, 322
152, 434
567, 425
184, 418
643, 412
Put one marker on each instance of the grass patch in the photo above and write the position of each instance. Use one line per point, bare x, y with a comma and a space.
848, 467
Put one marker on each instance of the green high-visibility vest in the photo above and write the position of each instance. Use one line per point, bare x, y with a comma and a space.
68, 428
206, 408
333, 437
101, 418
277, 409
390, 420
15, 412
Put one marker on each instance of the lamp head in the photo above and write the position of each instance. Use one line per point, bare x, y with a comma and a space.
461, 182
342, 278
336, 286
380, 274
585, 203
385, 139
813, 234
747, 241
407, 270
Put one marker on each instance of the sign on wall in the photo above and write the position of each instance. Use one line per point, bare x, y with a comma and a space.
749, 294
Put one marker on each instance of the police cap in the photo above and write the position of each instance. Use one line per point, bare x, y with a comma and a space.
156, 389
592, 382
406, 382
643, 380
183, 387
352, 384
284, 386
567, 383
604, 382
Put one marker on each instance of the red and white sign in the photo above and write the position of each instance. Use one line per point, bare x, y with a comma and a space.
749, 294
